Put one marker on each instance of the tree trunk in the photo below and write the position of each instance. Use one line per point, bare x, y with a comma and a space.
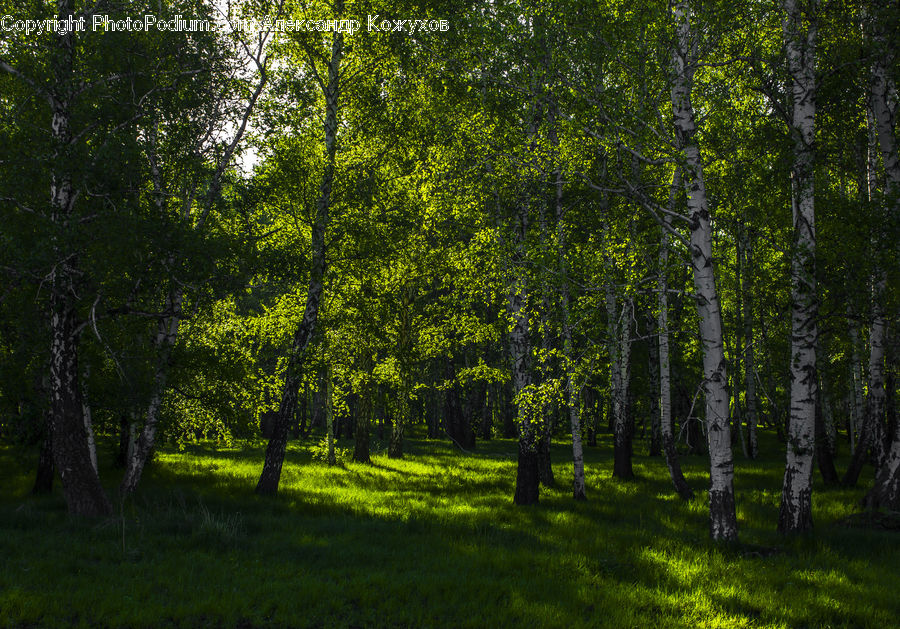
886, 492
71, 456
329, 417
142, 448
857, 412
527, 475
361, 445
88, 419
487, 412
824, 452
653, 368
578, 484
43, 480
271, 473
723, 518
796, 495
750, 402
665, 389
619, 347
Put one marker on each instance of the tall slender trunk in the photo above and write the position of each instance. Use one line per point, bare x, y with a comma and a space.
271, 472
665, 387
653, 368
364, 414
824, 452
329, 417
71, 455
619, 347
886, 492
723, 518
527, 471
857, 410
750, 401
796, 495
578, 485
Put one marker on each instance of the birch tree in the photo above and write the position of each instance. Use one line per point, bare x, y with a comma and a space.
886, 492
329, 82
723, 519
799, 31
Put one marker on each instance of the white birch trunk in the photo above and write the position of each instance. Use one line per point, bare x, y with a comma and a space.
578, 485
88, 420
796, 494
856, 406
723, 518
270, 476
142, 446
886, 492
83, 492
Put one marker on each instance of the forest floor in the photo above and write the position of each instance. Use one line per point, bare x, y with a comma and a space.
433, 540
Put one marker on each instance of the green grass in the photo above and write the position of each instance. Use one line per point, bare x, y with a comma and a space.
434, 540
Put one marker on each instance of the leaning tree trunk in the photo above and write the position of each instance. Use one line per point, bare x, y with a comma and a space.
723, 518
271, 473
140, 450
796, 495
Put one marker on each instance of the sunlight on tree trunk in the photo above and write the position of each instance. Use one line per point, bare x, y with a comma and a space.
723, 519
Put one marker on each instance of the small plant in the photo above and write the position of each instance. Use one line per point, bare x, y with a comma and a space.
320, 452
223, 526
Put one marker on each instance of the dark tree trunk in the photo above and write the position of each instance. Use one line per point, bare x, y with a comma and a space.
858, 460
545, 464
823, 449
681, 487
268, 480
361, 445
487, 412
655, 432
508, 409
124, 437
395, 444
71, 456
43, 480
434, 403
622, 468
527, 478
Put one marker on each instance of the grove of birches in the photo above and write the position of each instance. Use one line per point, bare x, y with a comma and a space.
675, 222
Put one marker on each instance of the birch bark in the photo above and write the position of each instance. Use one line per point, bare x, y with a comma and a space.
886, 492
71, 454
799, 33
723, 518
271, 472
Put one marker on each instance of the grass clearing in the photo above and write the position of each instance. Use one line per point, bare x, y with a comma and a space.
433, 540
